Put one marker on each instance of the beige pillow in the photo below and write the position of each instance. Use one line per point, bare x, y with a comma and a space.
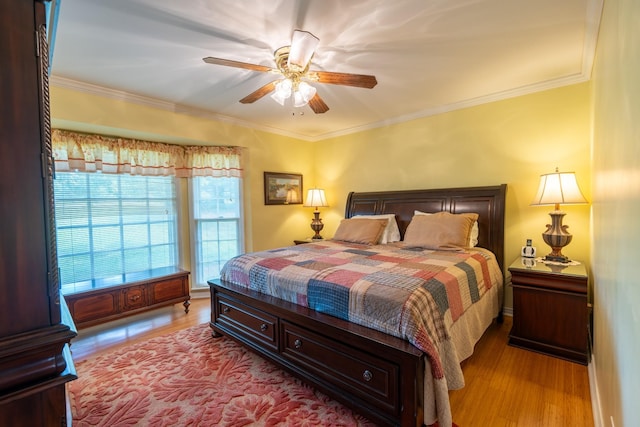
391, 233
361, 230
441, 230
475, 231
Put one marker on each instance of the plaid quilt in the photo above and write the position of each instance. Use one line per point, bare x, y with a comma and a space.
413, 294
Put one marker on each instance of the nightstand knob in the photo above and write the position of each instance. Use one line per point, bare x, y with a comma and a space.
226, 310
297, 344
367, 375
263, 327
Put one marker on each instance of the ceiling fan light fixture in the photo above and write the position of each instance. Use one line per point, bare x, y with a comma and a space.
279, 98
298, 100
307, 91
283, 91
284, 87
303, 94
303, 44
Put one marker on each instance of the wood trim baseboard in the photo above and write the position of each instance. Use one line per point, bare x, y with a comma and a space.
598, 420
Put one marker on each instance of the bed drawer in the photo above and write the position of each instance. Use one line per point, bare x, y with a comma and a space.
239, 318
372, 379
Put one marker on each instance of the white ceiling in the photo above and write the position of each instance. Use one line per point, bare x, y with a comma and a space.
428, 56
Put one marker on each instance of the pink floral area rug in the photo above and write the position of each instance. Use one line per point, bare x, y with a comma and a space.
189, 378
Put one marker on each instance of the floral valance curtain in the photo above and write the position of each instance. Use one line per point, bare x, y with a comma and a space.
74, 151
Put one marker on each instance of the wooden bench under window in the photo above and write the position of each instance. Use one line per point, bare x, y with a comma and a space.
99, 301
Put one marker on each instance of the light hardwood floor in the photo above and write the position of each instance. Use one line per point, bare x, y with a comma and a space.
508, 386
129, 330
505, 386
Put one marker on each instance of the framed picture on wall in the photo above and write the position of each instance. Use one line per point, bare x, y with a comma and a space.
282, 188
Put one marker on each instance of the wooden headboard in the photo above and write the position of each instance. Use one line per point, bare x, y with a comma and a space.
487, 202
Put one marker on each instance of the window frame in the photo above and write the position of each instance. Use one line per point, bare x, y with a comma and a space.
193, 230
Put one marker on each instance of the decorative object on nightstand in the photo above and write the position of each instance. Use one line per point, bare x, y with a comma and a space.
555, 189
550, 309
316, 199
302, 241
528, 251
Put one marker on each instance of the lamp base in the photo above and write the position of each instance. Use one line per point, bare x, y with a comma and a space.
557, 236
317, 225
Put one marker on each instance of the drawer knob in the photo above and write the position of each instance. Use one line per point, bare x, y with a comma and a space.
367, 375
226, 310
297, 344
263, 327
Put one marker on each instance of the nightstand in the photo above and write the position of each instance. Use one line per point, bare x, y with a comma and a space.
550, 309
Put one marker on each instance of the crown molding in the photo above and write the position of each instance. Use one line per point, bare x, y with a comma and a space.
182, 109
592, 30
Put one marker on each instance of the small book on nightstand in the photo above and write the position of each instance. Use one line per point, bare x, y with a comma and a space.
303, 241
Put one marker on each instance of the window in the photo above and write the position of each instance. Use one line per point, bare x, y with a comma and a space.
116, 209
112, 226
216, 226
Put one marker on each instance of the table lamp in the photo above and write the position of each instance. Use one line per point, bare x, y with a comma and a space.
555, 189
315, 198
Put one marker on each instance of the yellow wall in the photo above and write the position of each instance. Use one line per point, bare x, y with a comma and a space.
511, 141
616, 205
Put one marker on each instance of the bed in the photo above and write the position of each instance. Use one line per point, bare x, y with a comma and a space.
391, 378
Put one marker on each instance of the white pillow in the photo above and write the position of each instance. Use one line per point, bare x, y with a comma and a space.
473, 238
391, 233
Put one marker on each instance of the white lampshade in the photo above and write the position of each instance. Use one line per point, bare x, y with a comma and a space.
558, 188
315, 198
298, 100
303, 44
303, 94
283, 91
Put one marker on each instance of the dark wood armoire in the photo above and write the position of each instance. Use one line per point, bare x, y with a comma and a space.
35, 332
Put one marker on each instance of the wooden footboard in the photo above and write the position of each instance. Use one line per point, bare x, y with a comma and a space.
377, 375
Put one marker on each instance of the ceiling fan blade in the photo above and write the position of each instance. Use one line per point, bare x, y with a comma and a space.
317, 104
237, 64
346, 79
303, 44
264, 90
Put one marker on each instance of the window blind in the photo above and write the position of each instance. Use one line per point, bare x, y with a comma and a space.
109, 226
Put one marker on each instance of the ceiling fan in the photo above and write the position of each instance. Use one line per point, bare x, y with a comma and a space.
292, 64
